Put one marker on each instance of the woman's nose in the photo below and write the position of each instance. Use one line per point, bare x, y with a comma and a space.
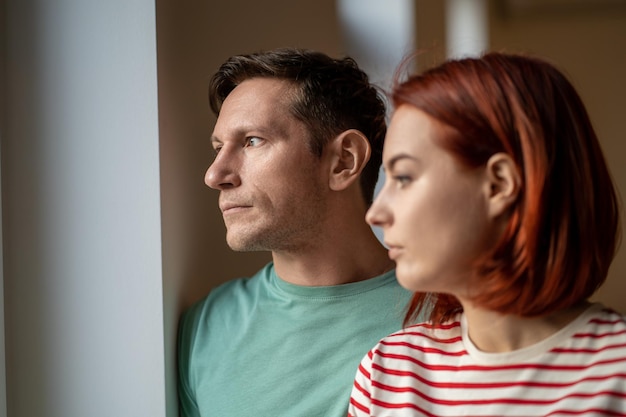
378, 213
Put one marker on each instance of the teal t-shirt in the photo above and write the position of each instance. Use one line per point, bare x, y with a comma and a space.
262, 347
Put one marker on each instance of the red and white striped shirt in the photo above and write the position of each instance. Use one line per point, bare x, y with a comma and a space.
437, 371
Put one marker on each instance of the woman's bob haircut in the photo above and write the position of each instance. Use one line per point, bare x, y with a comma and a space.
564, 228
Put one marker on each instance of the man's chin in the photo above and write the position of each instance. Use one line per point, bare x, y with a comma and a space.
241, 245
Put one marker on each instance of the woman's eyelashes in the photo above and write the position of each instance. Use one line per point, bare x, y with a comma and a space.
401, 180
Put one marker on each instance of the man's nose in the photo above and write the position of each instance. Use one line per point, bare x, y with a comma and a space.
223, 172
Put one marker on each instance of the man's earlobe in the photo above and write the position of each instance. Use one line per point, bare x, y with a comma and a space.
350, 153
504, 183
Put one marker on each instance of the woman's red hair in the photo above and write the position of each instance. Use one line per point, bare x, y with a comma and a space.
564, 229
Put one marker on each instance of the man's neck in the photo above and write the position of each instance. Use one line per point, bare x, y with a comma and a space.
333, 264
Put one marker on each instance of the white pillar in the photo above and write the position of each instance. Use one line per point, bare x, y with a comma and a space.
81, 210
467, 32
378, 34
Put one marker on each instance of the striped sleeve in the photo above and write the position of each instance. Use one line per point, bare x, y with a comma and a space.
360, 398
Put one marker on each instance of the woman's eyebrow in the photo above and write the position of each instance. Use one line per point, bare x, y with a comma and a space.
397, 158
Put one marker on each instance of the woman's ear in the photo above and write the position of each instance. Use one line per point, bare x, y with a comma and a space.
350, 152
503, 182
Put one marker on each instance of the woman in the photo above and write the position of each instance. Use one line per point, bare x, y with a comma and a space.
501, 215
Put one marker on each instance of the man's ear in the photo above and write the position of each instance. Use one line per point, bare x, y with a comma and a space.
350, 152
503, 183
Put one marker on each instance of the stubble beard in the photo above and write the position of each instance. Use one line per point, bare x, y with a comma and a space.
291, 232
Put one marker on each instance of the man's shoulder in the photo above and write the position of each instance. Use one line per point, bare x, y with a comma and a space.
226, 294
385, 289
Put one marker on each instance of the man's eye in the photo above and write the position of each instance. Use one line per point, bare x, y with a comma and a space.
253, 141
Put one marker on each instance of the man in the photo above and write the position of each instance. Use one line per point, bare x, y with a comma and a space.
298, 143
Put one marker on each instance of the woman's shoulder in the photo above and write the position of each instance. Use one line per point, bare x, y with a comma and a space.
425, 337
600, 321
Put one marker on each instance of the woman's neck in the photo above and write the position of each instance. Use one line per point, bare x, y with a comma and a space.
490, 331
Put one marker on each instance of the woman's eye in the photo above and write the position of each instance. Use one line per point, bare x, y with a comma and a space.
401, 180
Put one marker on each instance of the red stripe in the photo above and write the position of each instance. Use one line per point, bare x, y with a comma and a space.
598, 335
603, 322
575, 350
428, 336
496, 368
429, 325
424, 349
403, 405
478, 385
464, 352
365, 372
587, 411
362, 390
609, 311
359, 406
493, 401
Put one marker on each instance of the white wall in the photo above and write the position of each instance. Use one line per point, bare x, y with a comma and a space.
81, 210
466, 26
379, 35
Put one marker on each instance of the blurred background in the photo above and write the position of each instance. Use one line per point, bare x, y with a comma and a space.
108, 231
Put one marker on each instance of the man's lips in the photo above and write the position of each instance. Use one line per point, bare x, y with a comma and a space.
230, 208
